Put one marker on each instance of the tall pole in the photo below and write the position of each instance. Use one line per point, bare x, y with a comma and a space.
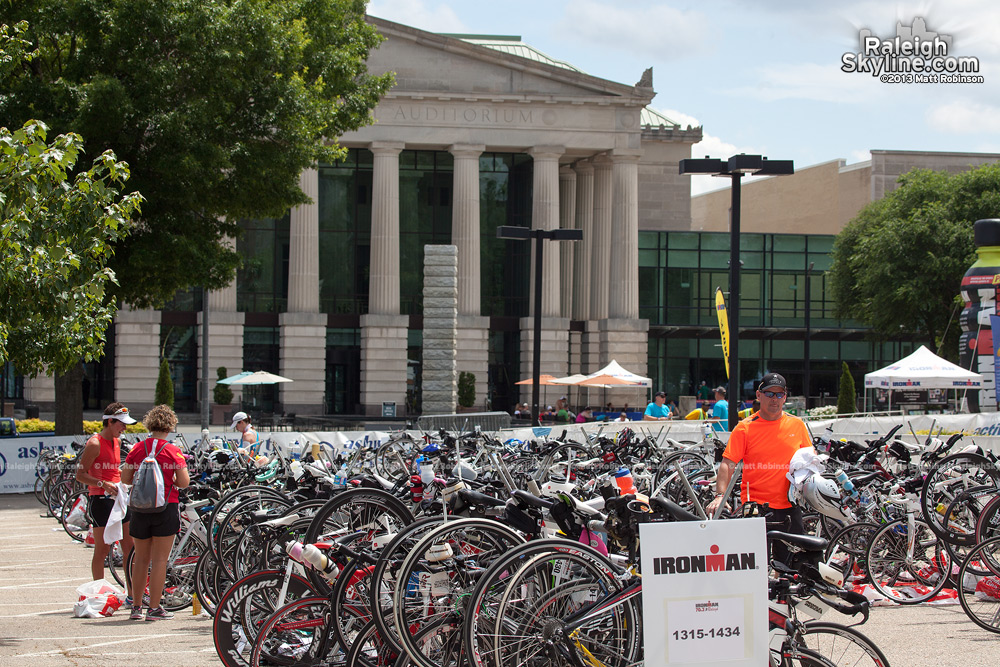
808, 359
536, 352
204, 358
734, 303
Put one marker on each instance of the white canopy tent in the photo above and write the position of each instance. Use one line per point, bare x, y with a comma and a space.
615, 369
922, 370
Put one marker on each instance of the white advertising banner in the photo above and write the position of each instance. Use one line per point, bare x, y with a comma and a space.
704, 593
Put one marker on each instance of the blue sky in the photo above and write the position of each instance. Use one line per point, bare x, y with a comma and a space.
760, 77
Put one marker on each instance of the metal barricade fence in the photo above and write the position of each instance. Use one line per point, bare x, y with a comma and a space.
467, 421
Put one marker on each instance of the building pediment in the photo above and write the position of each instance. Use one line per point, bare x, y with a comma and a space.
429, 64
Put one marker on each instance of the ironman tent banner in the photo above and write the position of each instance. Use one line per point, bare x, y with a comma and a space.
720, 308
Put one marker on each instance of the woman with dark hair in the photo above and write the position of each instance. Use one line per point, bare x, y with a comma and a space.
153, 533
98, 469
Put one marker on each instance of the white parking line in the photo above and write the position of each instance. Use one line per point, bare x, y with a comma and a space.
43, 583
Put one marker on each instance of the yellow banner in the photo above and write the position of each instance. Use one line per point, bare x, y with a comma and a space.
720, 308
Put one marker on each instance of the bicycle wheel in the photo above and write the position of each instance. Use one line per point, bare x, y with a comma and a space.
115, 564
239, 519
848, 550
950, 479
229, 502
74, 518
297, 633
982, 603
368, 649
842, 646
374, 511
542, 594
204, 578
902, 575
432, 588
244, 609
481, 617
384, 577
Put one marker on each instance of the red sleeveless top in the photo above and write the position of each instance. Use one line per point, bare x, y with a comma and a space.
106, 467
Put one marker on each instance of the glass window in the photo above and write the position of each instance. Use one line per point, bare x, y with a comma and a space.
683, 240
345, 211
789, 243
180, 348
262, 279
505, 269
715, 241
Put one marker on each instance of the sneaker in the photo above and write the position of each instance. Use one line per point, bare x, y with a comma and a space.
158, 614
136, 614
145, 601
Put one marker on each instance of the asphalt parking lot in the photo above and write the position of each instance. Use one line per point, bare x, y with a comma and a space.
41, 567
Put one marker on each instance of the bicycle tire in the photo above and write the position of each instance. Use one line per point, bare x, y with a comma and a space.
373, 510
231, 500
248, 604
964, 470
988, 523
848, 550
204, 577
889, 566
842, 645
77, 532
238, 519
480, 541
480, 621
982, 609
550, 587
296, 633
114, 562
384, 578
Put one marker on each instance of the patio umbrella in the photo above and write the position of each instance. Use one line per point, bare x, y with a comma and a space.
257, 377
543, 380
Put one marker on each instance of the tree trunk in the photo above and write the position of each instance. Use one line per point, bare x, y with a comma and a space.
69, 401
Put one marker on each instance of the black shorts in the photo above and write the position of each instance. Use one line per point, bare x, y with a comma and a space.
157, 524
99, 509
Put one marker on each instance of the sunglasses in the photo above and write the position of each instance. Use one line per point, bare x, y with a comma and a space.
774, 394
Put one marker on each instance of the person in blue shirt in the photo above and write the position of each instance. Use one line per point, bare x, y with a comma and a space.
657, 411
720, 410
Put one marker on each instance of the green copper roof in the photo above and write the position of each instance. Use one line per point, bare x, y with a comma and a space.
513, 45
652, 117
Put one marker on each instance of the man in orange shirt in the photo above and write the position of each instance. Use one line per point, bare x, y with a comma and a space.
765, 442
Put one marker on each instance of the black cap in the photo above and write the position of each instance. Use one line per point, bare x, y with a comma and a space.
720, 390
659, 394
772, 380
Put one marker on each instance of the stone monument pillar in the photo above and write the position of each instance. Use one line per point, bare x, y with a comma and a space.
440, 376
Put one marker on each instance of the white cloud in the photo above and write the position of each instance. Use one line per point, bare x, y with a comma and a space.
651, 30
811, 81
859, 156
965, 117
417, 14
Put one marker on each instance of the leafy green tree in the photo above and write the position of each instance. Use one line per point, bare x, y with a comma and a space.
164, 385
216, 106
898, 265
846, 397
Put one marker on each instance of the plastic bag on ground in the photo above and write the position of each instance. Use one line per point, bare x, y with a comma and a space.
98, 598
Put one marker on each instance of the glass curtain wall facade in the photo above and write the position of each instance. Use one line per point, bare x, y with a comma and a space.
679, 273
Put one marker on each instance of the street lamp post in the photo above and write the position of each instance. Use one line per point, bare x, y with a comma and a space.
539, 235
735, 168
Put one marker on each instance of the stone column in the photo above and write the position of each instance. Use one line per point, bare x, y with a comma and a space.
137, 357
545, 215
440, 375
303, 250
472, 342
465, 224
601, 247
583, 250
383, 292
623, 298
567, 220
303, 327
225, 335
383, 329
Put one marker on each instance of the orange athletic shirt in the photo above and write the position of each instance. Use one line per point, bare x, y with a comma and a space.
106, 466
766, 447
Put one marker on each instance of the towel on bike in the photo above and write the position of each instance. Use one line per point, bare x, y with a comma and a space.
804, 464
113, 531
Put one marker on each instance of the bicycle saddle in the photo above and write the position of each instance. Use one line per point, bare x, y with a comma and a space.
804, 542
